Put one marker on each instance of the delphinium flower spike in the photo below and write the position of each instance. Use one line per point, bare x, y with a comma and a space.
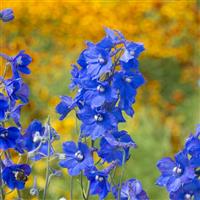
14, 94
106, 77
35, 142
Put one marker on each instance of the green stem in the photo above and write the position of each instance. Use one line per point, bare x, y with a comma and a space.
122, 174
71, 188
48, 158
82, 188
113, 175
19, 195
92, 145
88, 192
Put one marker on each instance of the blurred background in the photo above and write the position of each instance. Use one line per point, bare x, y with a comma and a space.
167, 106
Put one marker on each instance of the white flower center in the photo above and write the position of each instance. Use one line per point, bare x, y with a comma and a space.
177, 170
98, 117
188, 197
4, 134
101, 60
132, 53
100, 88
128, 80
19, 60
37, 137
98, 178
79, 155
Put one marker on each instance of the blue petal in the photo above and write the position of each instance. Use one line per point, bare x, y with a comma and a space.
69, 148
166, 166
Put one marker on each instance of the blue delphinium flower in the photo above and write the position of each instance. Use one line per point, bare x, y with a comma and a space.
130, 190
107, 78
117, 112
96, 122
98, 93
192, 146
6, 15
4, 106
113, 37
35, 141
127, 84
76, 157
15, 176
99, 184
116, 146
15, 114
131, 65
175, 173
96, 60
65, 106
17, 89
132, 51
9, 137
75, 77
189, 191
20, 63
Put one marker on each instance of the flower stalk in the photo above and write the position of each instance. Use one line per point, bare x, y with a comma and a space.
47, 159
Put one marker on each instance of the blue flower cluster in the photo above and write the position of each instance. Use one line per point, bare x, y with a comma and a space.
34, 141
6, 15
181, 176
106, 78
131, 189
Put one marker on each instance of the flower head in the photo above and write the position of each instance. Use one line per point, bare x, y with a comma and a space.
35, 140
175, 173
17, 89
192, 147
112, 38
131, 189
15, 176
99, 93
188, 191
116, 146
6, 15
96, 60
15, 114
96, 122
77, 158
75, 77
65, 106
9, 137
132, 51
127, 83
20, 63
98, 182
